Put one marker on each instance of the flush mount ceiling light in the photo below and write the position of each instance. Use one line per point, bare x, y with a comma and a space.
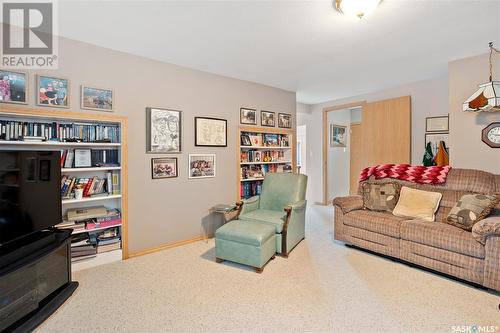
358, 8
487, 96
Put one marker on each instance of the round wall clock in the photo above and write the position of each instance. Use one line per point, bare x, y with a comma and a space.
491, 135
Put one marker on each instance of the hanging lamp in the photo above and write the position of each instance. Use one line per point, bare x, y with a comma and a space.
487, 96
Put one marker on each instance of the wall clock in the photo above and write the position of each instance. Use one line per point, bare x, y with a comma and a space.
491, 135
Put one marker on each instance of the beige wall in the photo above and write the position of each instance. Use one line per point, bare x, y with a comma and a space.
167, 210
466, 148
428, 98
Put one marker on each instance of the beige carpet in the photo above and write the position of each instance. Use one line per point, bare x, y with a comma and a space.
323, 286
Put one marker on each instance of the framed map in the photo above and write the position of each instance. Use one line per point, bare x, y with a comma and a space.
210, 132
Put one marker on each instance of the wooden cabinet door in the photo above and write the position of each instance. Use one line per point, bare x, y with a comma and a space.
386, 131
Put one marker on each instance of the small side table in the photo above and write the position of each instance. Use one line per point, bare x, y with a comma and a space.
228, 215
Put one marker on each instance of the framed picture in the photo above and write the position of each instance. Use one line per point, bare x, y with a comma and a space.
52, 91
245, 140
248, 116
435, 139
164, 167
437, 124
284, 120
83, 158
201, 166
96, 99
13, 87
164, 128
267, 119
338, 135
210, 132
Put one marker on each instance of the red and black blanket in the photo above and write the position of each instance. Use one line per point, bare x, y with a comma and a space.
412, 173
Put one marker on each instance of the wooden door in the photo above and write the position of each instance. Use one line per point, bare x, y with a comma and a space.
356, 158
386, 131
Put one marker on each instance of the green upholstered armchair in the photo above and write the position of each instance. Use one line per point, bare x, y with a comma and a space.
281, 204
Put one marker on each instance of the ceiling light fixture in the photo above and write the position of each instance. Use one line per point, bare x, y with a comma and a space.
487, 96
358, 8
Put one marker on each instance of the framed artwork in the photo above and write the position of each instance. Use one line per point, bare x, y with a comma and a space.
201, 166
437, 124
284, 120
338, 135
52, 91
164, 167
13, 87
210, 132
245, 140
96, 99
435, 139
83, 158
248, 116
267, 119
163, 130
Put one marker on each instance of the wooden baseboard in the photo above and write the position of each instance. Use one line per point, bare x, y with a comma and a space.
165, 246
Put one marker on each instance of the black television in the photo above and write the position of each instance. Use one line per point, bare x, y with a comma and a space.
30, 192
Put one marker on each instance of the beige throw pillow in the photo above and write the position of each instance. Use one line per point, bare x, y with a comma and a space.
417, 204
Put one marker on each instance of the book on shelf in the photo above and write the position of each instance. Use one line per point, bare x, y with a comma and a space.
92, 187
115, 176
102, 248
12, 130
98, 158
91, 218
249, 189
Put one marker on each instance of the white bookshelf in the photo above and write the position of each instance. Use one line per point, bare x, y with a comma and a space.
275, 162
110, 201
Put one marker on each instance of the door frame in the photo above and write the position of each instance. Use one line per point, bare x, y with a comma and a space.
326, 141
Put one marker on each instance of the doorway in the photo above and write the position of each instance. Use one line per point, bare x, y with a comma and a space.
301, 149
362, 134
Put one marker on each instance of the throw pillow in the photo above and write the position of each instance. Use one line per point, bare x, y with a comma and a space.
470, 209
380, 197
417, 204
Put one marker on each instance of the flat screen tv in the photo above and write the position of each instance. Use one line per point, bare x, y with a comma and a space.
30, 192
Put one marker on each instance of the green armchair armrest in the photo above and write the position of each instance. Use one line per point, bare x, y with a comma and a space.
248, 205
294, 227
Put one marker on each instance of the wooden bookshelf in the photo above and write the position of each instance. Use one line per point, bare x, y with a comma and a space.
120, 201
286, 155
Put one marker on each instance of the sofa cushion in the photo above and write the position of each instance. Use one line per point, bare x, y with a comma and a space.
271, 217
379, 222
419, 204
443, 236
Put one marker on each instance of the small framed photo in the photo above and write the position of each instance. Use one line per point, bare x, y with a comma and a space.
164, 167
96, 99
248, 116
284, 120
83, 158
338, 135
267, 119
210, 132
437, 124
52, 91
164, 129
201, 166
245, 140
13, 87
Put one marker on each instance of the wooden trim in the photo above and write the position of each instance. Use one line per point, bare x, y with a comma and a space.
284, 232
165, 246
326, 141
65, 115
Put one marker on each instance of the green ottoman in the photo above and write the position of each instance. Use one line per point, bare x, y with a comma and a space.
251, 244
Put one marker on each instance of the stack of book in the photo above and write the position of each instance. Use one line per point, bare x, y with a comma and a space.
89, 221
108, 240
112, 218
83, 246
18, 130
91, 186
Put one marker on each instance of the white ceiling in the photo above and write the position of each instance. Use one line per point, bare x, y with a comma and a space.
302, 46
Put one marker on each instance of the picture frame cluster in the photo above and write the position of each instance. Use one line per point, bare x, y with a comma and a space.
52, 92
267, 118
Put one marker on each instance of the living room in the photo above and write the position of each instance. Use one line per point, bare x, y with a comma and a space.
191, 171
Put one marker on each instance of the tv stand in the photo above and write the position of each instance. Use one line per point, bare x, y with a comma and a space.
35, 279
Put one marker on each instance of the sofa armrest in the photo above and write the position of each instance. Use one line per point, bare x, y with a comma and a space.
488, 227
350, 203
250, 204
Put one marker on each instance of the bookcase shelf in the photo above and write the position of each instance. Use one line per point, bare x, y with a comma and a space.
99, 198
102, 127
265, 150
